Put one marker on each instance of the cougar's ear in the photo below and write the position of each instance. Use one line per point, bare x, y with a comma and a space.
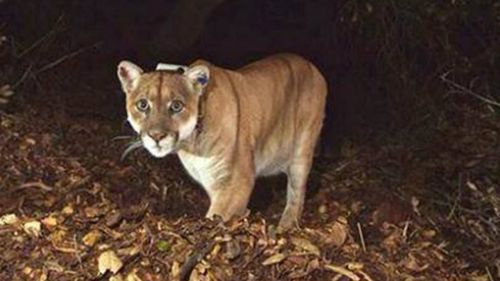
199, 76
129, 74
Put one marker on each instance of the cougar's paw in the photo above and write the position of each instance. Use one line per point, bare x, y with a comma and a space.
287, 222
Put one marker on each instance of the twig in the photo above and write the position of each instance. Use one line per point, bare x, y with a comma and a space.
361, 237
65, 250
490, 277
457, 199
20, 205
164, 193
66, 57
365, 275
254, 256
476, 213
52, 32
77, 252
467, 91
405, 230
194, 259
151, 238
37, 184
340, 270
23, 77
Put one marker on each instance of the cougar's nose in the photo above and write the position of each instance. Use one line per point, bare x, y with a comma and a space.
157, 135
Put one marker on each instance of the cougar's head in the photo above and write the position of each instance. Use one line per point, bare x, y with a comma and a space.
162, 106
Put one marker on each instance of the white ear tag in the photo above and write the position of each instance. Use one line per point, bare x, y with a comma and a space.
171, 67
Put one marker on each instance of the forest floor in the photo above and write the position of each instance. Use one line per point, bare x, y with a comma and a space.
421, 203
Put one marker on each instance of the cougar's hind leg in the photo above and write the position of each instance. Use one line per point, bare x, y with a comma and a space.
297, 174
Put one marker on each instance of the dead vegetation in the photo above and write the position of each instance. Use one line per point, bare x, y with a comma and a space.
72, 211
417, 200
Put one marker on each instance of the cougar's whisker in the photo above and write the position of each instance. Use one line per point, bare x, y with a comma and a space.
117, 138
131, 147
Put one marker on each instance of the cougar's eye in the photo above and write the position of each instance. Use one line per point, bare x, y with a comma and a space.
142, 105
176, 106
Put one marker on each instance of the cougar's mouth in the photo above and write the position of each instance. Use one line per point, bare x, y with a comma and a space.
161, 148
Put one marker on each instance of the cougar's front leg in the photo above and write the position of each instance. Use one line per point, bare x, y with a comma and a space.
231, 197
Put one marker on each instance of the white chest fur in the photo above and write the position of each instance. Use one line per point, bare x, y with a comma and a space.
205, 170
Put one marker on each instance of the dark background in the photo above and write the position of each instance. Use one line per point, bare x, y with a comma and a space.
382, 59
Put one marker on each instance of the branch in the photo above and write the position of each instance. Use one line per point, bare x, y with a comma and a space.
465, 90
65, 57
194, 259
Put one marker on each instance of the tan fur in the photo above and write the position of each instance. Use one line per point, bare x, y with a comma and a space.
262, 119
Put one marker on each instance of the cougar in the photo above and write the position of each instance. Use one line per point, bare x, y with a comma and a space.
229, 127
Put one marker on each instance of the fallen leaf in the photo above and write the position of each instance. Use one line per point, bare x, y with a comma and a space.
429, 233
195, 275
49, 221
113, 218
355, 266
415, 203
163, 246
58, 235
68, 210
132, 276
54, 266
175, 270
30, 141
43, 276
392, 241
277, 258
340, 270
33, 228
251, 277
233, 249
356, 207
129, 251
5, 92
305, 245
299, 260
472, 186
9, 219
296, 274
483, 277
117, 277
92, 212
393, 213
313, 265
411, 263
338, 232
92, 237
109, 261
322, 209
215, 251
27, 270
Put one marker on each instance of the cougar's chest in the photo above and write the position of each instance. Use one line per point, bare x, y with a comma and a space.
205, 170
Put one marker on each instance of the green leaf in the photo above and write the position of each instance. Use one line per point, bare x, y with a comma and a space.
163, 246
